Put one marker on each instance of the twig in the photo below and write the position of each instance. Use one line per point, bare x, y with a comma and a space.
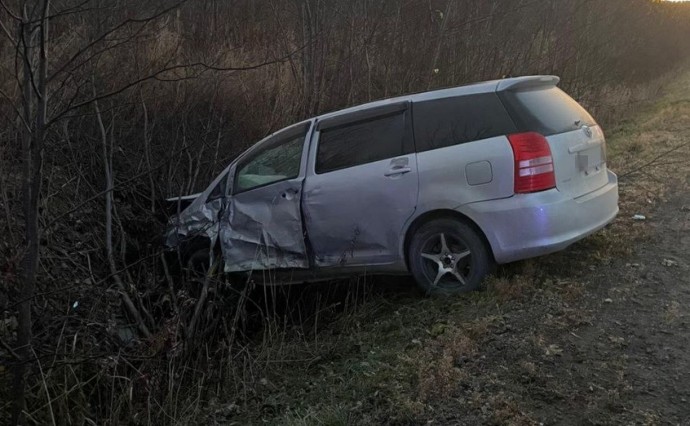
8, 214
168, 278
201, 301
240, 308
97, 283
652, 161
9, 349
156, 75
45, 387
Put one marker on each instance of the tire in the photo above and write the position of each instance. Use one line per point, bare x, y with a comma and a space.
197, 264
448, 257
196, 270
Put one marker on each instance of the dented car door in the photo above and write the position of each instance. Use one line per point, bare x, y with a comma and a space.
361, 187
261, 227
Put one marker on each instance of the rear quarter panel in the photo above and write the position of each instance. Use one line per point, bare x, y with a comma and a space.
444, 173
443, 178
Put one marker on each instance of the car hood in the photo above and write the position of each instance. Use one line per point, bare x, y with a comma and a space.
200, 218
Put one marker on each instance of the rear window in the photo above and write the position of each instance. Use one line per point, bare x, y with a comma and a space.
547, 111
446, 122
360, 143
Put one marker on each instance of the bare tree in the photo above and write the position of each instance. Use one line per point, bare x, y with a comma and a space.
127, 100
35, 110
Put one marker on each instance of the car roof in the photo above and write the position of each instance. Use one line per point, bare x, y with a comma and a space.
505, 84
471, 89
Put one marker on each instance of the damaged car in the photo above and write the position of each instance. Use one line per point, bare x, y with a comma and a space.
441, 185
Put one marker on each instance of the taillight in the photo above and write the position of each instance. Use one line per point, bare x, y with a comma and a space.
533, 163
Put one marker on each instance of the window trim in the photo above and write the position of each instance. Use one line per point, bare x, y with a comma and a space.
356, 117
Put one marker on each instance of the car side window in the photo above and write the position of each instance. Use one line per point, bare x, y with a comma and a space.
452, 121
361, 143
277, 161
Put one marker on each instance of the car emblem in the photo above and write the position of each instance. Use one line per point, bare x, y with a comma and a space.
588, 131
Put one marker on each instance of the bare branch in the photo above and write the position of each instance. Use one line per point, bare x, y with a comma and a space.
116, 28
26, 125
7, 33
9, 349
155, 75
14, 16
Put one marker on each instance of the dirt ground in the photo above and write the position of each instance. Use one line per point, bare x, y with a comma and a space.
619, 354
633, 359
615, 342
596, 335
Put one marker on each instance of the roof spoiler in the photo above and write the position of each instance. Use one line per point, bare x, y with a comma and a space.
527, 82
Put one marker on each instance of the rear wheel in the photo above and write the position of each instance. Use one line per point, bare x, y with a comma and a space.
448, 257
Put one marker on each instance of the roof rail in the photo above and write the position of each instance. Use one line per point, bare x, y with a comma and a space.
527, 82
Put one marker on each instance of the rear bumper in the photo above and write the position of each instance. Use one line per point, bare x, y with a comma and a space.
530, 225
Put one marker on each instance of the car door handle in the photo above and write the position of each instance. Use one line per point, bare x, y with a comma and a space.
290, 194
396, 171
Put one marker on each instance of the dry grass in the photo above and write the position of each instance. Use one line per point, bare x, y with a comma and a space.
673, 313
514, 287
440, 363
506, 411
390, 357
444, 343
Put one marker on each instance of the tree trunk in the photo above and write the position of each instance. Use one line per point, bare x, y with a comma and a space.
32, 176
107, 166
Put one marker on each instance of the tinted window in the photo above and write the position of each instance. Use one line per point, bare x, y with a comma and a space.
276, 162
452, 121
360, 143
547, 111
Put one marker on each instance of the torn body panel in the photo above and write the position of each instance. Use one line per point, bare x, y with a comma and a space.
200, 218
259, 226
199, 222
262, 229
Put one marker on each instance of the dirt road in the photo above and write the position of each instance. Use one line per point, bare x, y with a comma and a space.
631, 363
634, 358
620, 354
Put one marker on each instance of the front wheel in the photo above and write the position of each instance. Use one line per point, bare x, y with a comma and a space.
448, 257
196, 271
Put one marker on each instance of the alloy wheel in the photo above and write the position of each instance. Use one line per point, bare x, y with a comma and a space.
446, 261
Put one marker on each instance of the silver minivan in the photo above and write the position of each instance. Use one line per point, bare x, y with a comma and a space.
442, 185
